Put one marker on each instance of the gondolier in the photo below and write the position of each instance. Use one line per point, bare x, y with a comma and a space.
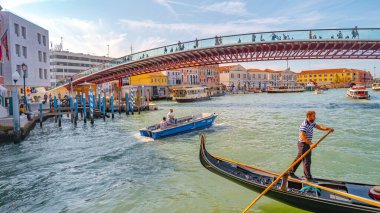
304, 143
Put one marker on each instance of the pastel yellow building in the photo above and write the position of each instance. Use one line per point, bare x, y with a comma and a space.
155, 79
334, 76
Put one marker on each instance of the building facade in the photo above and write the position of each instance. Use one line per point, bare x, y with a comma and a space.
203, 75
153, 85
209, 75
338, 76
234, 76
150, 79
174, 77
64, 64
257, 79
23, 42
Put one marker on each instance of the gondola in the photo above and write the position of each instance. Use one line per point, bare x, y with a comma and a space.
294, 192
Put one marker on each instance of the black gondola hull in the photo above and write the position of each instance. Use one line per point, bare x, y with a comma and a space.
293, 199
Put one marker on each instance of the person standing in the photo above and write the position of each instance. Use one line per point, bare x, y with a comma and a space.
304, 143
170, 115
45, 98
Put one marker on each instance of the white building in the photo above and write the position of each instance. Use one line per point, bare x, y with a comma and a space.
235, 76
257, 78
261, 79
24, 43
174, 77
64, 64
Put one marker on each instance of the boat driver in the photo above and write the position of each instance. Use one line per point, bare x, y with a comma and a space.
171, 116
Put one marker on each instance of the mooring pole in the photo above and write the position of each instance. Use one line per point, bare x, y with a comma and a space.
76, 111
104, 108
71, 109
41, 115
59, 113
91, 105
55, 109
126, 103
112, 109
84, 108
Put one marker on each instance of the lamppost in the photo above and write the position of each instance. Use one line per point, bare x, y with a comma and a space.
16, 109
24, 69
374, 73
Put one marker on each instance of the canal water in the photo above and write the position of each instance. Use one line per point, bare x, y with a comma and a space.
108, 167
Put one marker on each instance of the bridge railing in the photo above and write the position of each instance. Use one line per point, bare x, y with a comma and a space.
275, 36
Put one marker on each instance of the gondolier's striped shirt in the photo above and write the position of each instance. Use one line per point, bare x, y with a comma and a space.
308, 129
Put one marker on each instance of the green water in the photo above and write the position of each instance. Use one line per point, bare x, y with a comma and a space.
110, 168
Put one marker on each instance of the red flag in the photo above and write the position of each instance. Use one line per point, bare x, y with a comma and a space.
1, 53
4, 42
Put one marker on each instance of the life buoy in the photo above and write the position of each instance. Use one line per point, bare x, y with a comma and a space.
374, 192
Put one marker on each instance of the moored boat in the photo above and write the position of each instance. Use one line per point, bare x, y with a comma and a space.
376, 86
285, 89
191, 94
184, 124
358, 92
293, 191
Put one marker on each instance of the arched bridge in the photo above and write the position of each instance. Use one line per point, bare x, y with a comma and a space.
356, 43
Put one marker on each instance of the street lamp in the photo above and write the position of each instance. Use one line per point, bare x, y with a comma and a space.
24, 69
16, 109
374, 73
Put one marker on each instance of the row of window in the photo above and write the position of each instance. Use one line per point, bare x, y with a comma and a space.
43, 39
42, 56
17, 30
157, 80
43, 73
325, 75
320, 80
71, 64
18, 51
53, 55
66, 70
40, 38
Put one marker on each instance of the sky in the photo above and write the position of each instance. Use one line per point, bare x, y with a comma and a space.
89, 26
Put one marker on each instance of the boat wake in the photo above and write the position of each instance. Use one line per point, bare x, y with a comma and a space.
140, 138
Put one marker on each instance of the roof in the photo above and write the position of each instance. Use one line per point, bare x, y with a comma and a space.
226, 68
337, 70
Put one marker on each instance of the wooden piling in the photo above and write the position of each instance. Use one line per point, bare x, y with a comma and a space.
126, 104
71, 109
91, 105
76, 111
84, 109
112, 109
104, 108
59, 113
119, 97
55, 107
41, 115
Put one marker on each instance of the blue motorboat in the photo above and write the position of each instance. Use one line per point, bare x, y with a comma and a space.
184, 124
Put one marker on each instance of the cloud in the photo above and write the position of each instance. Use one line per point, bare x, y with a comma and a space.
208, 29
272, 21
166, 4
226, 7
144, 43
84, 36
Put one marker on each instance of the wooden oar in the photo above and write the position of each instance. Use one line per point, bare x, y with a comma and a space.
344, 194
285, 172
